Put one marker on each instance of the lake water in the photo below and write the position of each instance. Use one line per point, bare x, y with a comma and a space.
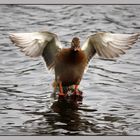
112, 88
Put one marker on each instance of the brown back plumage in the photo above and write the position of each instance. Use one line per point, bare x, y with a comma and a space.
69, 66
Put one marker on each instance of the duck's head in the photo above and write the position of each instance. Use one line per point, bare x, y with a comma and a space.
75, 44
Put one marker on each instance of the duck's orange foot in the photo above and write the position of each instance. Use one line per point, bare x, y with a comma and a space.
78, 93
61, 94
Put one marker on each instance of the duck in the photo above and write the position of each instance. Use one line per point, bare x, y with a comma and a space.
69, 64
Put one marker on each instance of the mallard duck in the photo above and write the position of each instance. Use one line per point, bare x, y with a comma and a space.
69, 63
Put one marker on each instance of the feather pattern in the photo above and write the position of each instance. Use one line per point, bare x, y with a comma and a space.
36, 44
108, 45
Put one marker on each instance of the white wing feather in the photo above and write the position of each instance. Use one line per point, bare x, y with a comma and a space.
108, 45
32, 44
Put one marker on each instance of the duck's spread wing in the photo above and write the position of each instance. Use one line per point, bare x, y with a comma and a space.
108, 45
38, 43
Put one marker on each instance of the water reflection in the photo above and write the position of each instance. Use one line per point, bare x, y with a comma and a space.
63, 118
66, 107
68, 115
70, 118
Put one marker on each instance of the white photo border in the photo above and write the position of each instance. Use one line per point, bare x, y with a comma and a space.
69, 1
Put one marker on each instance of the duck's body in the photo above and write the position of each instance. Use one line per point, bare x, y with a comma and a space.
69, 64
